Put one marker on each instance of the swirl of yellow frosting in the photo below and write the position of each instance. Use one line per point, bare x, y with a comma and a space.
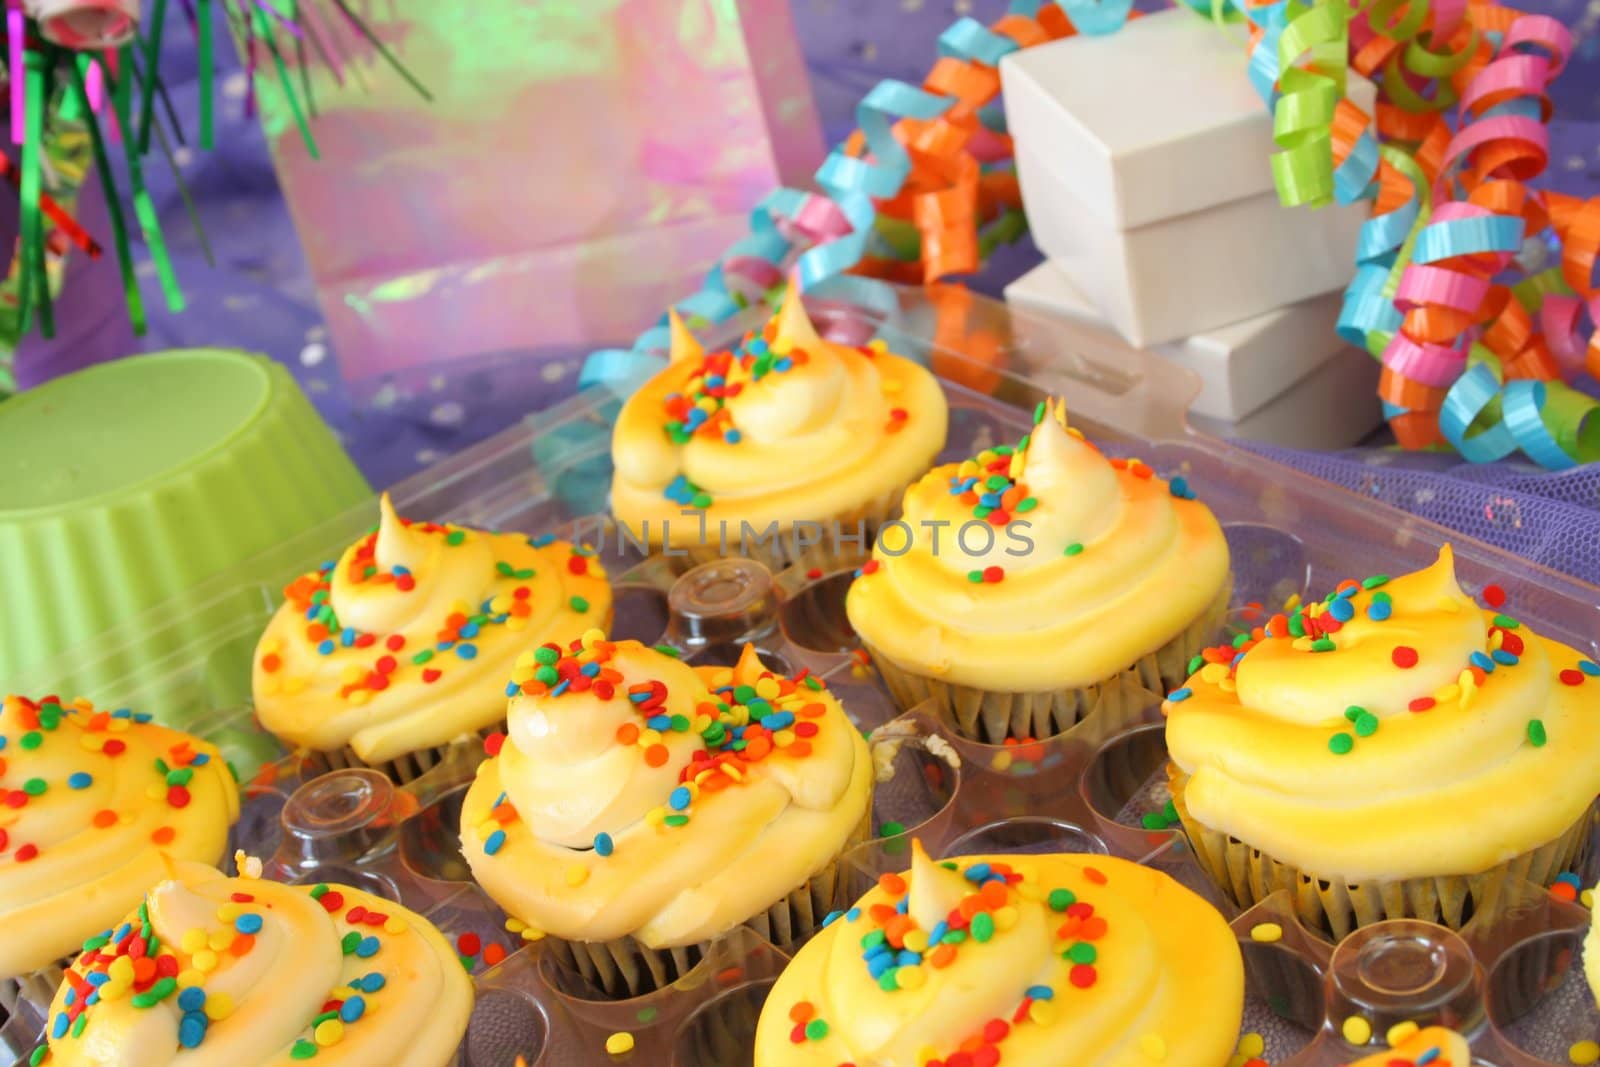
636, 795
89, 802
1042, 959
1431, 1047
235, 971
1038, 567
1394, 730
789, 428
404, 643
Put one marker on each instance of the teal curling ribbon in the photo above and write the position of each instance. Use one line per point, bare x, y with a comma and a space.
630, 367
1099, 17
854, 183
968, 38
1264, 56
1472, 394
1381, 249
1352, 179
1462, 237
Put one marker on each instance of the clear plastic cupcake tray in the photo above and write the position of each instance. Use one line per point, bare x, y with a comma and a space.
1511, 980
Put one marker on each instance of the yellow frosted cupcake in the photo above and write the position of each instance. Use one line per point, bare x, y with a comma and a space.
640, 807
404, 644
1061, 959
90, 801
789, 447
1392, 751
1433, 1047
1023, 581
233, 972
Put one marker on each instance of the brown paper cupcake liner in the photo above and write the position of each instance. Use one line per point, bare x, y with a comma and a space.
827, 555
37, 988
992, 716
1335, 907
401, 770
627, 967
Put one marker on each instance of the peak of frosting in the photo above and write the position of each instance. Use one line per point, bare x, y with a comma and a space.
935, 890
794, 327
1379, 644
685, 347
398, 549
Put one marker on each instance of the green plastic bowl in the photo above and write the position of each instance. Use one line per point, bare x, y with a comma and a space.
126, 485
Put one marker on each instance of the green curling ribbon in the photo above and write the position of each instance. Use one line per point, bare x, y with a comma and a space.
1312, 58
1407, 98
144, 208
204, 54
1406, 164
1531, 291
263, 30
152, 60
35, 275
1568, 415
1413, 16
1437, 65
119, 224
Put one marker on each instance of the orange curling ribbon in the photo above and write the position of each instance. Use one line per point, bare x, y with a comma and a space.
948, 196
1577, 223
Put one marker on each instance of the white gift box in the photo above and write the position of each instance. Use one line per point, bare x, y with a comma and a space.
1144, 163
1284, 377
1306, 415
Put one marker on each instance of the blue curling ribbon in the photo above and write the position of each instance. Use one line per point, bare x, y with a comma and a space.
1383, 235
1367, 309
1460, 237
1522, 403
1468, 397
854, 183
1097, 18
970, 39
884, 174
1270, 19
626, 368
1352, 179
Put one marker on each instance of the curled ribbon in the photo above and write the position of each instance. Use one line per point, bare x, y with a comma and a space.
920, 193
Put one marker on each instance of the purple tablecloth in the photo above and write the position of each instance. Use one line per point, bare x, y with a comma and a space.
259, 296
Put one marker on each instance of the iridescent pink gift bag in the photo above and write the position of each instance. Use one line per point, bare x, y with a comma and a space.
582, 164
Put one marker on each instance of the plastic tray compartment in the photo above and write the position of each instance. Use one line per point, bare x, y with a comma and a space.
1511, 979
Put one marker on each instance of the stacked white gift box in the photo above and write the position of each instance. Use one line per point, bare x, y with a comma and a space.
1144, 163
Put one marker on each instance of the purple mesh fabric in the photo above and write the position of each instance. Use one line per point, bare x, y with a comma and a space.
1550, 518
